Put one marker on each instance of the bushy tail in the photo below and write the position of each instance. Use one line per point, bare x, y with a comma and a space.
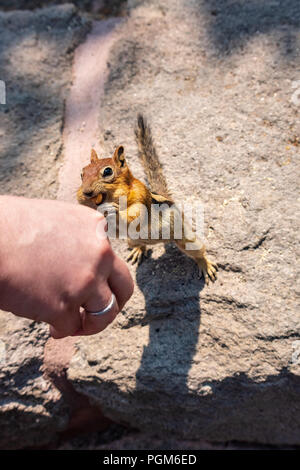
149, 158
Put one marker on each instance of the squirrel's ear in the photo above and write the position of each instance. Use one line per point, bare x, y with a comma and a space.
119, 157
94, 156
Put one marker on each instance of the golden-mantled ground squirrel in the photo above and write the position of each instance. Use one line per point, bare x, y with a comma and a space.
106, 180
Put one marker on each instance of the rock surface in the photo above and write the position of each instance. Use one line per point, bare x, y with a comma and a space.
34, 4
141, 441
32, 410
36, 51
217, 82
35, 62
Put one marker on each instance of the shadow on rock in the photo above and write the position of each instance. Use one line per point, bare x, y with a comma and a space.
36, 50
171, 287
232, 24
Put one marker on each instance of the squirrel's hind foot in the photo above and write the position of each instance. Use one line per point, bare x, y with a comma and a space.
207, 269
137, 254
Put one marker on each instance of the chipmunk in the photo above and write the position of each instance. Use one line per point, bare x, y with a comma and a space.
105, 180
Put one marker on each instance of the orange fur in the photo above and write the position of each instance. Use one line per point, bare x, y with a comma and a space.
105, 180
122, 183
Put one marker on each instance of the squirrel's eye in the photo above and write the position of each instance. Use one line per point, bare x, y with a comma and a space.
107, 172
81, 175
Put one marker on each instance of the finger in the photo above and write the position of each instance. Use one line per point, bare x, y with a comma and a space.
65, 324
121, 282
56, 334
92, 324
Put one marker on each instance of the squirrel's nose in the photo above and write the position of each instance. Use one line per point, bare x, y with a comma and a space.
88, 193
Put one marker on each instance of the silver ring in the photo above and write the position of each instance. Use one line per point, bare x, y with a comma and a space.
111, 304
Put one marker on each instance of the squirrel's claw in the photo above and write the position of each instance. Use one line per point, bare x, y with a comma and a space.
136, 255
208, 270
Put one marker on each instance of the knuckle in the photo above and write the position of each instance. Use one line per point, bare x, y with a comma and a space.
112, 315
64, 320
105, 255
105, 248
130, 289
128, 283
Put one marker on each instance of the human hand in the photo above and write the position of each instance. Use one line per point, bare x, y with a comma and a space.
53, 263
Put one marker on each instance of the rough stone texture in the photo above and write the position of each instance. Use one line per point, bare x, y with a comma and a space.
33, 4
182, 361
216, 81
140, 441
81, 131
32, 411
36, 50
35, 61
100, 8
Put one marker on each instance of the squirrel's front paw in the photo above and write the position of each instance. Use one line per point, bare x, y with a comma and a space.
108, 209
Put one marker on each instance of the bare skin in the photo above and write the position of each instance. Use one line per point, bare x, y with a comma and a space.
53, 264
